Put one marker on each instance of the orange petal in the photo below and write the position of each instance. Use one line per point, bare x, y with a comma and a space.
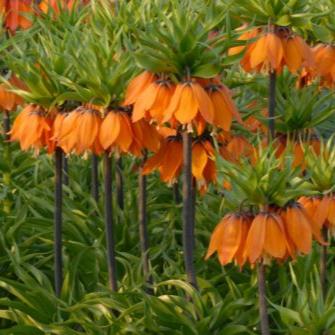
188, 106
205, 105
199, 160
216, 237
109, 130
255, 240
298, 229
231, 239
275, 240
259, 52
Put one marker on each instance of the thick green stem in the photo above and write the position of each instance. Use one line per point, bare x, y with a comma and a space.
65, 170
95, 178
119, 183
109, 229
6, 178
58, 259
323, 263
176, 192
272, 103
142, 210
188, 210
263, 311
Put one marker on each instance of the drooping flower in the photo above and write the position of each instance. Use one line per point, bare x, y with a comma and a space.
145, 136
325, 64
248, 35
137, 86
300, 228
321, 210
189, 102
57, 6
116, 131
233, 148
9, 100
33, 129
16, 14
78, 131
203, 163
153, 101
266, 238
275, 49
224, 107
169, 160
229, 238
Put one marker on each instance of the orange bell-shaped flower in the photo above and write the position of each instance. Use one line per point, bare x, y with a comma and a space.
77, 132
168, 160
189, 101
16, 13
137, 86
154, 100
33, 129
266, 238
116, 131
229, 239
275, 49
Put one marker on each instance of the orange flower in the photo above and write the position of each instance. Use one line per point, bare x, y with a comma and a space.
300, 228
58, 6
78, 131
297, 149
266, 238
297, 53
224, 107
235, 148
8, 100
137, 86
228, 239
203, 164
275, 49
154, 100
16, 12
320, 210
168, 160
145, 136
116, 131
325, 64
246, 36
188, 102
33, 129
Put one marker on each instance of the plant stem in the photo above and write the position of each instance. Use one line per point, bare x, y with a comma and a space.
188, 209
65, 170
111, 262
119, 183
6, 178
142, 212
6, 125
95, 178
262, 300
323, 263
176, 193
58, 222
272, 103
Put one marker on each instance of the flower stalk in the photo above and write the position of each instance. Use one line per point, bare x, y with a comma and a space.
143, 219
272, 103
109, 229
95, 178
263, 312
58, 258
188, 210
119, 183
